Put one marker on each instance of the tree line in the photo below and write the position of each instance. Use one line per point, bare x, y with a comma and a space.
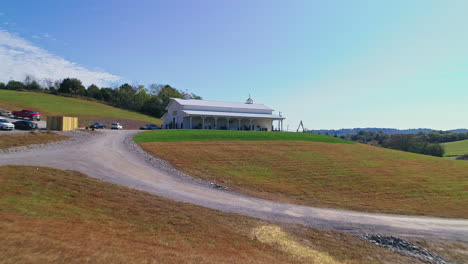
427, 143
151, 100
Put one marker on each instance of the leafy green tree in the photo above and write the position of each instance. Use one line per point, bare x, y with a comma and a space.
93, 92
140, 97
2, 86
153, 106
106, 94
400, 141
196, 97
72, 86
123, 96
434, 149
34, 86
14, 85
165, 92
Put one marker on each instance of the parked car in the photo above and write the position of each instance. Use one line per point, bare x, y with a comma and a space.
4, 112
25, 125
150, 127
116, 126
97, 126
6, 125
27, 114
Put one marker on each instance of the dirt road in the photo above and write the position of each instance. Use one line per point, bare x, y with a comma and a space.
113, 157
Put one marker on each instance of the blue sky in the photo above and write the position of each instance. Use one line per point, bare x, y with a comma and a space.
332, 64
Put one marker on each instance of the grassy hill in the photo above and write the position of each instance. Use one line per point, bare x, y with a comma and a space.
349, 176
55, 216
49, 104
456, 148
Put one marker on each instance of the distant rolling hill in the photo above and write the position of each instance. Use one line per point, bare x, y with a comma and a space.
348, 131
87, 111
456, 148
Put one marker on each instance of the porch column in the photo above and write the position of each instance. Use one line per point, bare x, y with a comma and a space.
191, 127
203, 122
216, 123
239, 127
227, 125
250, 125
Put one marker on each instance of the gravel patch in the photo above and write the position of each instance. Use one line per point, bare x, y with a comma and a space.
75, 137
405, 248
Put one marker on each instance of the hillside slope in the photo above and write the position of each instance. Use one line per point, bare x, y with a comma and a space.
456, 148
54, 216
348, 176
88, 111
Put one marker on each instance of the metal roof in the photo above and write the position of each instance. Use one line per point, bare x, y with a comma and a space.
194, 102
230, 114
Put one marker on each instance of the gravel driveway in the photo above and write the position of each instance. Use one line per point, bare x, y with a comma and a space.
113, 157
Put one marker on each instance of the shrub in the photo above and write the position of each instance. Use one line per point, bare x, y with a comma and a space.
15, 85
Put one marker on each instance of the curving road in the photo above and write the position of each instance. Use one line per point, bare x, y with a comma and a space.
113, 157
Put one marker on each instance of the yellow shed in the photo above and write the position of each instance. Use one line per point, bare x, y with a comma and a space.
62, 123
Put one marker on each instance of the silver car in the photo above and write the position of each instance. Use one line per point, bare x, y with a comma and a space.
6, 125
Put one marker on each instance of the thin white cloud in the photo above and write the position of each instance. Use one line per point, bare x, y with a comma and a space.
19, 57
43, 36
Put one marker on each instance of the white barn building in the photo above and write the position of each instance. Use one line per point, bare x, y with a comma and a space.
189, 113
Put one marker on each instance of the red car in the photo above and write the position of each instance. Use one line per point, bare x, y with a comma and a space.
27, 114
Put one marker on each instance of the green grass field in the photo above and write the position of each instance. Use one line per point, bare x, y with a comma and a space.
178, 135
49, 104
456, 148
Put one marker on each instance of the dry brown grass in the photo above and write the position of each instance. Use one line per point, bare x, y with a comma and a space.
10, 106
456, 252
30, 138
54, 216
348, 176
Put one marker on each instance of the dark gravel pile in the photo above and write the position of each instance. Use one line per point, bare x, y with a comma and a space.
405, 248
218, 186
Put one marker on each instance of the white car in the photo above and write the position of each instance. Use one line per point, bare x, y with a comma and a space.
116, 126
6, 125
4, 112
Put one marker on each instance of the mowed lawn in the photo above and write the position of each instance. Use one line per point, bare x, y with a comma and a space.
177, 135
456, 148
55, 216
49, 104
348, 176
